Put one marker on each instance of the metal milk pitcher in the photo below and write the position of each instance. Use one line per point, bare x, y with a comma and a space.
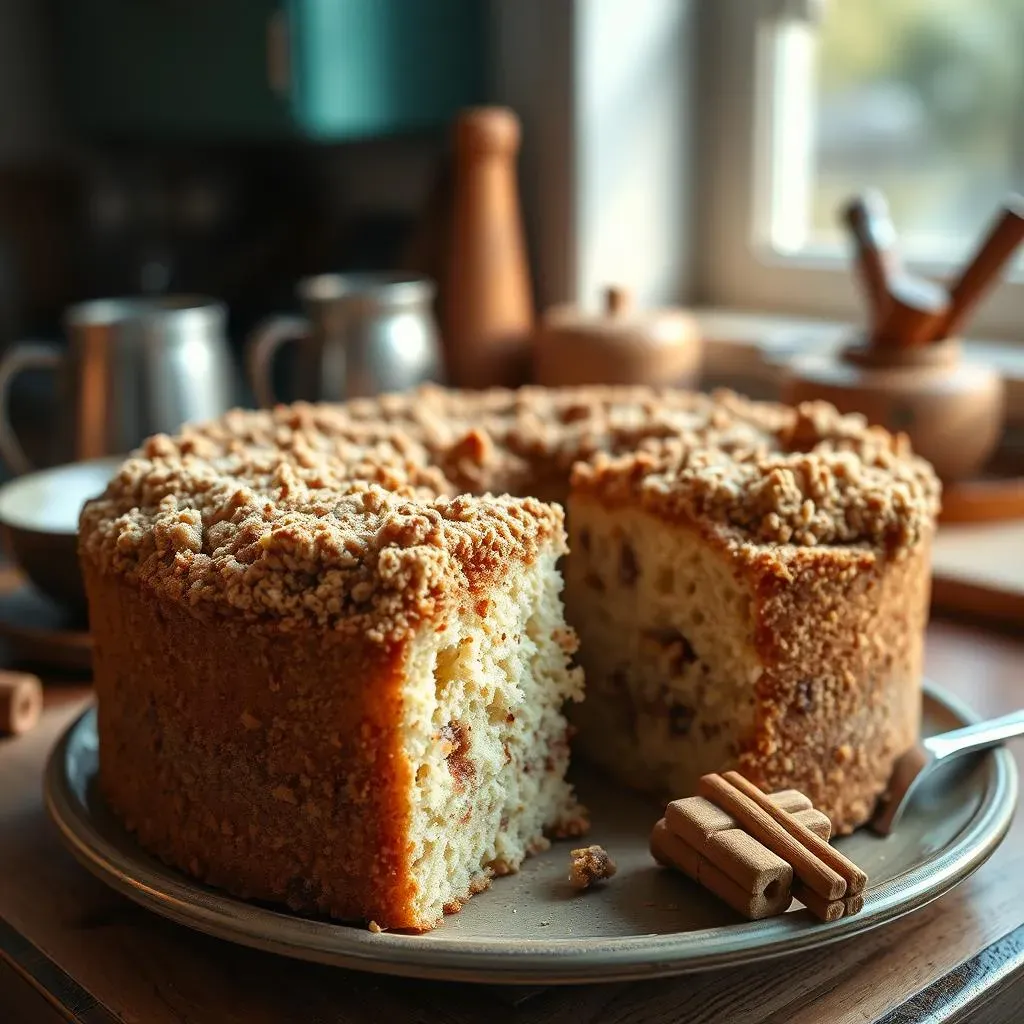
132, 367
361, 334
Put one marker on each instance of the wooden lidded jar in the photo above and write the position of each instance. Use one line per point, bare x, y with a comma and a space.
620, 345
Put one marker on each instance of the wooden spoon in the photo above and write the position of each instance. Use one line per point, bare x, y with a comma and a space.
1005, 234
917, 307
878, 260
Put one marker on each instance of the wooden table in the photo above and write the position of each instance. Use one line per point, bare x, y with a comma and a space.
72, 949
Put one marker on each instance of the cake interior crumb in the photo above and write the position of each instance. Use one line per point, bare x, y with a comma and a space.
487, 736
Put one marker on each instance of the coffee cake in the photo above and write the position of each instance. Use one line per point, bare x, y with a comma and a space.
331, 660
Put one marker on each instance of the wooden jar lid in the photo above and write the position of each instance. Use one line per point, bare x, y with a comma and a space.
620, 319
621, 344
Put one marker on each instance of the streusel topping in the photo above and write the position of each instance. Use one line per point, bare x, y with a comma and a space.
272, 522
811, 478
348, 515
561, 426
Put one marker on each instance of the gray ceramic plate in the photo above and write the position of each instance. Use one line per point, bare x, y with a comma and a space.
531, 928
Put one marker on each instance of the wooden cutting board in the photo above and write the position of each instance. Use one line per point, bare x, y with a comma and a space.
978, 570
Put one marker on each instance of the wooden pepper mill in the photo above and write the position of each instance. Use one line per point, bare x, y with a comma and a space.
488, 303
906, 370
621, 345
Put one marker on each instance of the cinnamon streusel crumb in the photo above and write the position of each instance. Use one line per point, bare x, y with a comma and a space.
588, 865
818, 479
303, 519
350, 517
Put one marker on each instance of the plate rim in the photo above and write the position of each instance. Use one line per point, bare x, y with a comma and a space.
565, 961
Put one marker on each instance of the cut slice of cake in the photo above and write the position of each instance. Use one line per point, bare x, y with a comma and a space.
759, 609
346, 700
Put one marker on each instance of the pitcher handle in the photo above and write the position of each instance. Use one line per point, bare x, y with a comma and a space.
29, 355
261, 349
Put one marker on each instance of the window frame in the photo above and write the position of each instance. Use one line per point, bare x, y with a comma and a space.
735, 264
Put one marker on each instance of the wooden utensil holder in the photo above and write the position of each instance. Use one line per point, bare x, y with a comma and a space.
952, 410
905, 371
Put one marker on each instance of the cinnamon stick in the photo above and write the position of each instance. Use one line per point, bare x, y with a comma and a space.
707, 843
867, 218
853, 876
21, 702
690, 820
763, 824
671, 851
702, 817
750, 865
826, 910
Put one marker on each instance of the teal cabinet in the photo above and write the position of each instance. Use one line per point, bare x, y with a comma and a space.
327, 70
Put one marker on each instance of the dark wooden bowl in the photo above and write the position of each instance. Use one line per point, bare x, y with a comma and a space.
39, 515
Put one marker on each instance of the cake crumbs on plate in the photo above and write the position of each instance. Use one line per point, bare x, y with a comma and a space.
590, 864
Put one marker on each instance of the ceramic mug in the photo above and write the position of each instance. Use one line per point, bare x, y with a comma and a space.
361, 334
132, 367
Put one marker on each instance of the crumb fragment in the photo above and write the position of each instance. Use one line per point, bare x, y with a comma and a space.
590, 864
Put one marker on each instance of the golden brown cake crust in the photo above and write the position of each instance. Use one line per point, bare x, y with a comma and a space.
356, 492
229, 749
840, 636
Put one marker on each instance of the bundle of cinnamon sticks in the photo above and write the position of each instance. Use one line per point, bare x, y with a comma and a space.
758, 852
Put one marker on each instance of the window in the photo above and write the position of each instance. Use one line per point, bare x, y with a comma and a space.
808, 102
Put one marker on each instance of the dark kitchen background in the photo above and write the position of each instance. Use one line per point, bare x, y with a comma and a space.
219, 148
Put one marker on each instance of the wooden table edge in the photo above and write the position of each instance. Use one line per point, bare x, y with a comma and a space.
940, 1000
44, 975
944, 998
